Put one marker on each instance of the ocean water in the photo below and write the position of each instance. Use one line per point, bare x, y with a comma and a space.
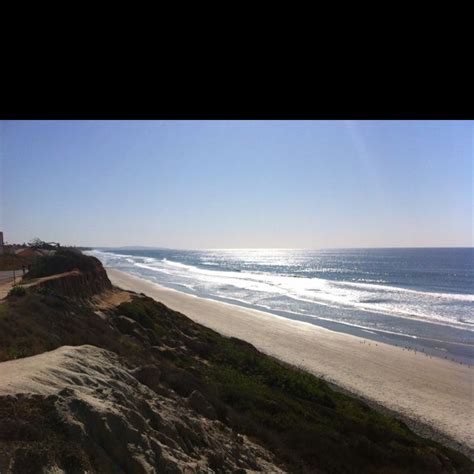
422, 299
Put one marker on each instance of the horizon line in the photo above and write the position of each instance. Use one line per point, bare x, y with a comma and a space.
277, 248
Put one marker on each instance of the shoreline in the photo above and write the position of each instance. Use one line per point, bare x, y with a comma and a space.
428, 393
457, 352
416, 326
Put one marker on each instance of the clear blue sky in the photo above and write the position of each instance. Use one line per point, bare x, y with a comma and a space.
301, 184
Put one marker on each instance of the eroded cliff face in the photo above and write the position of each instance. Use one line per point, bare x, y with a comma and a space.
76, 283
68, 273
78, 409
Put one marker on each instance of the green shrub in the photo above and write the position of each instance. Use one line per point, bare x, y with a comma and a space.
17, 291
137, 312
14, 352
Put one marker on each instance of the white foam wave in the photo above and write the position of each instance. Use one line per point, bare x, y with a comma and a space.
441, 308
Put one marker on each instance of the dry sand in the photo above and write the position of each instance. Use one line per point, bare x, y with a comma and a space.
429, 391
120, 424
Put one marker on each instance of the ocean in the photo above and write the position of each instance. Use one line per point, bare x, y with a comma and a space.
421, 299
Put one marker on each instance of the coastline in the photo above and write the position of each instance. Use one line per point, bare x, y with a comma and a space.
432, 392
420, 318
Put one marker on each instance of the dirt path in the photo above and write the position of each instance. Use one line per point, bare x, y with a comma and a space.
7, 280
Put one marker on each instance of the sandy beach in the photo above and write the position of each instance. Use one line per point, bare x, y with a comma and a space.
430, 391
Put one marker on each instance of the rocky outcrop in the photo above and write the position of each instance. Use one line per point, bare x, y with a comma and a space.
198, 402
83, 411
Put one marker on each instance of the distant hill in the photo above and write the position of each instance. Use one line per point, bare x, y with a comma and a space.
134, 247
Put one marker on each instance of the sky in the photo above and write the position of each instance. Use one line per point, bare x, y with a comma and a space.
238, 184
